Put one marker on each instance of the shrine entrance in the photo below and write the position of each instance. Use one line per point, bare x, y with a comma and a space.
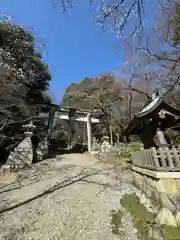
83, 119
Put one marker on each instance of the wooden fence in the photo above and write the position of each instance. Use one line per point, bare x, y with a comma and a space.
161, 159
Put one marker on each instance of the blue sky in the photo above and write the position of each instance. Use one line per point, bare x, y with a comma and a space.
75, 47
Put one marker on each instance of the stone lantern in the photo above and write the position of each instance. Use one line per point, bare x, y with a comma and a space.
95, 146
29, 128
23, 153
105, 147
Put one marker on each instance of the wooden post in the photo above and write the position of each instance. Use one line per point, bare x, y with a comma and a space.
111, 135
51, 121
89, 133
160, 138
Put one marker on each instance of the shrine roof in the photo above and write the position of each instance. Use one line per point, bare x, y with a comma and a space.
158, 103
152, 107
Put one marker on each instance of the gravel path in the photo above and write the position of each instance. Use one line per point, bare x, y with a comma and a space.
70, 197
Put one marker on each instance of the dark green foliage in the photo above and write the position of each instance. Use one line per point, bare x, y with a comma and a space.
24, 76
93, 93
59, 138
141, 217
143, 220
24, 79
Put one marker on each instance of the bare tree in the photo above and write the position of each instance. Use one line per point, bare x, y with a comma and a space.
123, 17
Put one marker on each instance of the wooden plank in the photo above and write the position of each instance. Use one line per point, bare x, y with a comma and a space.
134, 157
176, 157
151, 159
169, 157
169, 169
148, 158
163, 157
137, 159
157, 174
145, 159
155, 158
149, 165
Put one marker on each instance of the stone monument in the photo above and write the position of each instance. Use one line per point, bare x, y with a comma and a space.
106, 146
23, 153
95, 146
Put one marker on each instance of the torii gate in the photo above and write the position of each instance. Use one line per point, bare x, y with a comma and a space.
81, 115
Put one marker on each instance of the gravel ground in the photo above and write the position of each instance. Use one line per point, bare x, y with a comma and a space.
70, 197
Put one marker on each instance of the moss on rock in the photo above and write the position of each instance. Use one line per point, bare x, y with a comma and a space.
141, 217
144, 220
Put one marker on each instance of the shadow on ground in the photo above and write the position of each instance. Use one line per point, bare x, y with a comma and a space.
78, 148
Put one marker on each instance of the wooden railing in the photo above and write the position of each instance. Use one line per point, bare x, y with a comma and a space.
161, 159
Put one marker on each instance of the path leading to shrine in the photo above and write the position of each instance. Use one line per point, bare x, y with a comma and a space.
68, 197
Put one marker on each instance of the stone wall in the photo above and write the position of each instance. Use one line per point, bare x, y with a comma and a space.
161, 196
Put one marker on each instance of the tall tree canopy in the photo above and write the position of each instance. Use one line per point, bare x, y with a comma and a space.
98, 93
24, 76
24, 79
110, 96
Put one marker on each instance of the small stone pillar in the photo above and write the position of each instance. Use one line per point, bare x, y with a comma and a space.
106, 146
95, 146
89, 132
39, 155
23, 153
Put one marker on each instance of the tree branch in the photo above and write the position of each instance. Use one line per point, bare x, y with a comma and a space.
139, 91
157, 56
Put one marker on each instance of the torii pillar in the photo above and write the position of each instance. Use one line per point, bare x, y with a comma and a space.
89, 132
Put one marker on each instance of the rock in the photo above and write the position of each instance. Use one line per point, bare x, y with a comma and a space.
143, 199
147, 189
177, 216
138, 193
149, 181
169, 186
150, 232
148, 203
166, 202
165, 216
138, 180
178, 184
176, 201
159, 185
155, 232
155, 197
